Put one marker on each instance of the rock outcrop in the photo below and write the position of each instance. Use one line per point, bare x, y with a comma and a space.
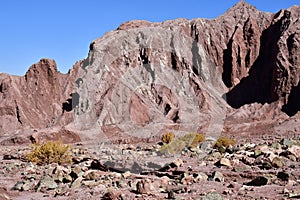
145, 78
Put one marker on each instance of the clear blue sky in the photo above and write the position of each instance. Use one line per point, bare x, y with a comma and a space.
63, 29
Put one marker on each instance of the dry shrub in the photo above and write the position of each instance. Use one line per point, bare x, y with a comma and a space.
192, 139
224, 142
50, 152
167, 137
188, 140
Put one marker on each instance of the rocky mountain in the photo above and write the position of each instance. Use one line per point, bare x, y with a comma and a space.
237, 73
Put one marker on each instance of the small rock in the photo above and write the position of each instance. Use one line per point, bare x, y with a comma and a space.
76, 172
144, 186
91, 175
225, 162
67, 179
277, 162
287, 142
90, 183
171, 194
283, 176
59, 176
18, 186
295, 150
212, 196
113, 195
276, 146
258, 181
26, 186
241, 168
257, 153
217, 176
77, 183
47, 183
164, 181
178, 162
126, 174
201, 176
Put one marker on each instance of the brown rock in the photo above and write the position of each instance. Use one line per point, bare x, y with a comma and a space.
144, 186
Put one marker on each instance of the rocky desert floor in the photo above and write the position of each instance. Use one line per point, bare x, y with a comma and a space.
258, 169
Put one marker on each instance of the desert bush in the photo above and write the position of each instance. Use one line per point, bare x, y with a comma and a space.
192, 139
188, 140
224, 142
50, 152
167, 137
173, 147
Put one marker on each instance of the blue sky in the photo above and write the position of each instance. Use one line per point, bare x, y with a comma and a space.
63, 29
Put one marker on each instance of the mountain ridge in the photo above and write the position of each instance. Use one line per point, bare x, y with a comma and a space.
248, 56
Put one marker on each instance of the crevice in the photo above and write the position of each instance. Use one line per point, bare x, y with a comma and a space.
293, 105
18, 114
1, 88
71, 102
197, 60
176, 117
144, 56
173, 61
167, 109
227, 64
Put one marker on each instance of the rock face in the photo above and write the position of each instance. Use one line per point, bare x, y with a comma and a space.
145, 78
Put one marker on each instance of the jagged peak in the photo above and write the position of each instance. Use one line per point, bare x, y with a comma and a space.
241, 5
44, 65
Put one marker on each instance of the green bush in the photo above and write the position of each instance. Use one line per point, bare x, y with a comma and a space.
50, 152
167, 137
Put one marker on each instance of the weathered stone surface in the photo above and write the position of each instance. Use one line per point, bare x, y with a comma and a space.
137, 78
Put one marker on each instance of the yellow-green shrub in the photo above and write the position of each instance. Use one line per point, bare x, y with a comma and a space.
173, 147
188, 140
192, 139
50, 152
224, 142
167, 137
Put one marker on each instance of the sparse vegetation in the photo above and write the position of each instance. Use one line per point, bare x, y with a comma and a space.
188, 140
224, 142
192, 139
50, 152
167, 137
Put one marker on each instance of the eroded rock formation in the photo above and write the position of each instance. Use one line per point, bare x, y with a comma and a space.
146, 77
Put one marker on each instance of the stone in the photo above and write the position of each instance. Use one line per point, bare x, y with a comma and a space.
217, 176
46, 183
212, 196
126, 174
287, 142
277, 162
178, 162
225, 162
284, 176
171, 194
295, 150
164, 182
77, 183
144, 186
18, 186
258, 181
91, 175
201, 176
76, 172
